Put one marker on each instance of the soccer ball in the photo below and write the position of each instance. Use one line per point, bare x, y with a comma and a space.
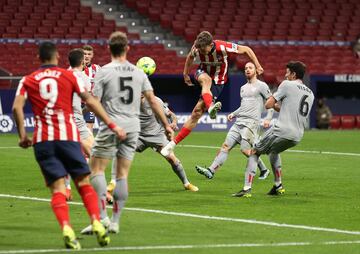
147, 64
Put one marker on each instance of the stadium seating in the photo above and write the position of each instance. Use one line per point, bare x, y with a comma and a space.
357, 118
65, 19
232, 20
335, 122
236, 20
347, 122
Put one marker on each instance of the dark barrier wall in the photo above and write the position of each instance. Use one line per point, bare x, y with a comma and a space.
342, 93
182, 98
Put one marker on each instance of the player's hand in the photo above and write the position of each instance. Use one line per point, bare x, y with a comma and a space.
169, 132
230, 117
259, 70
25, 142
187, 80
266, 124
174, 126
120, 132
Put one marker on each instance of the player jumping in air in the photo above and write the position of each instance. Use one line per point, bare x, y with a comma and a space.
212, 77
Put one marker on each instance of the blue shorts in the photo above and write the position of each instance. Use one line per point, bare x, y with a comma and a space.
216, 89
59, 158
89, 117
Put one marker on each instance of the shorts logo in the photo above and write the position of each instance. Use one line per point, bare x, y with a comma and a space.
6, 124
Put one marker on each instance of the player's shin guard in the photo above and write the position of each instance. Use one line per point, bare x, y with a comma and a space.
219, 160
275, 162
250, 171
120, 194
261, 165
178, 169
90, 200
99, 183
184, 132
207, 97
60, 208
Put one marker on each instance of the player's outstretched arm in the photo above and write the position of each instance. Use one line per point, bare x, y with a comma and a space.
99, 111
18, 114
188, 63
158, 110
246, 50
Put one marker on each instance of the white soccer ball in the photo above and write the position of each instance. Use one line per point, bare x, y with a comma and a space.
147, 64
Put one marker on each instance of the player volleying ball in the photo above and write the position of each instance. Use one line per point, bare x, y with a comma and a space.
152, 135
244, 131
294, 101
57, 150
212, 76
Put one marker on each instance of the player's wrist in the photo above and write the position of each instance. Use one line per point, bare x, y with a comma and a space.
112, 126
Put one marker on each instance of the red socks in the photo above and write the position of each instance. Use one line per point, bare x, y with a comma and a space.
207, 97
60, 208
182, 134
90, 200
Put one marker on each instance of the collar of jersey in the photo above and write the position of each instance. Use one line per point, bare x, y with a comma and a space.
47, 66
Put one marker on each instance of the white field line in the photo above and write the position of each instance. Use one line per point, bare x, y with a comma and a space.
207, 217
288, 151
172, 247
218, 147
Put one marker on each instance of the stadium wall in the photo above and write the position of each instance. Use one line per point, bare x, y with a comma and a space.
342, 93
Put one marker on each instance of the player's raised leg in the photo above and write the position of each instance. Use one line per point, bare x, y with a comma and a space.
191, 123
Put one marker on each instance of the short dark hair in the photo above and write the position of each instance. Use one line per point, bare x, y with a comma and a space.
88, 48
298, 68
76, 57
118, 43
203, 39
47, 50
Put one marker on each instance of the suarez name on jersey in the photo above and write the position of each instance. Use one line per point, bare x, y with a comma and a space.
50, 91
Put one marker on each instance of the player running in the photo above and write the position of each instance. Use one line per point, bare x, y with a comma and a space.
152, 135
244, 131
57, 150
294, 101
119, 86
211, 76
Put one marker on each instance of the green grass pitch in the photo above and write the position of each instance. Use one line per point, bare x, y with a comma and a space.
319, 213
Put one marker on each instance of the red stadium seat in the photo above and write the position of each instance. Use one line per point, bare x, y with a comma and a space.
347, 122
335, 122
357, 118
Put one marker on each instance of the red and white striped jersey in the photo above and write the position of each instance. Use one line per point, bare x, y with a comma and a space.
50, 91
216, 62
90, 71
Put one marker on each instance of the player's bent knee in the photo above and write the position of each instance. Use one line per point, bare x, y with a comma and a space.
225, 147
247, 152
